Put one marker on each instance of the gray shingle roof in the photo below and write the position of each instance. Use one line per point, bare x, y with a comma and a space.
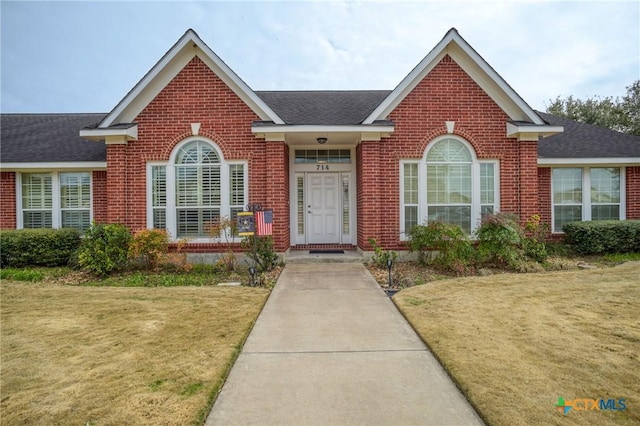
581, 140
326, 107
40, 138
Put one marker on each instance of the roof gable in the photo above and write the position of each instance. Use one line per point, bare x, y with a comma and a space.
188, 46
475, 66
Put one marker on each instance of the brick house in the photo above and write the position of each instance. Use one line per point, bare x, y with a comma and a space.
192, 142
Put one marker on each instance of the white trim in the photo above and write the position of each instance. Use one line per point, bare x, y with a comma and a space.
57, 166
188, 46
302, 170
128, 133
474, 65
528, 132
600, 161
304, 128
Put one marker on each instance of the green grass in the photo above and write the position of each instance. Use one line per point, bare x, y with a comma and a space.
33, 274
618, 258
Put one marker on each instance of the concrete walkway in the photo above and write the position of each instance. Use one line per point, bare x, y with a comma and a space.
330, 348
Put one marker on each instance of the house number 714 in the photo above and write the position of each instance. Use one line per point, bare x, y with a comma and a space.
322, 167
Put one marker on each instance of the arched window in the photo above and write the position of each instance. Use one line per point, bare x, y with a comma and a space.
449, 185
195, 189
449, 192
198, 186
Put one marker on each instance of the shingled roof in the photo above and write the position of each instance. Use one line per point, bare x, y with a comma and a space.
327, 107
37, 138
581, 140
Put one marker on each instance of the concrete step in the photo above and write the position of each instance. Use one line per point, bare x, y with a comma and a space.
303, 256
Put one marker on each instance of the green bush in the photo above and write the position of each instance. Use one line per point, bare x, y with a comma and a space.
266, 257
454, 248
37, 247
606, 236
380, 255
104, 248
501, 241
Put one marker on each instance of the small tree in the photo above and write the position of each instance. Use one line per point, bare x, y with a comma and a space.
149, 245
224, 230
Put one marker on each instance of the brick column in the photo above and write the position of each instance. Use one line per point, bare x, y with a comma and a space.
528, 179
277, 192
116, 183
8, 200
368, 170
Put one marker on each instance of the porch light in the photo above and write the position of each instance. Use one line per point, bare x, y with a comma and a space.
321, 141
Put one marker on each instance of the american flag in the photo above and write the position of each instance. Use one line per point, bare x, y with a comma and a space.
264, 222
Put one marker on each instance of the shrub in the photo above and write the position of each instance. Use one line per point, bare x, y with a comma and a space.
265, 256
501, 241
380, 255
150, 246
606, 236
37, 247
104, 248
454, 248
536, 231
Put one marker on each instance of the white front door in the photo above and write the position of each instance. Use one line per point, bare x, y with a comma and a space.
323, 208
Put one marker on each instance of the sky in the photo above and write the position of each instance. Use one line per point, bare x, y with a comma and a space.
84, 56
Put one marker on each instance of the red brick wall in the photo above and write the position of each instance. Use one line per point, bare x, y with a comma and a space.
633, 192
99, 188
447, 93
197, 95
8, 200
544, 194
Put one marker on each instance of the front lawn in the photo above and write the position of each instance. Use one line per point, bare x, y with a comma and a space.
515, 343
105, 355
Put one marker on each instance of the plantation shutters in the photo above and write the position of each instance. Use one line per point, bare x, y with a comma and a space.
198, 187
75, 200
55, 200
37, 200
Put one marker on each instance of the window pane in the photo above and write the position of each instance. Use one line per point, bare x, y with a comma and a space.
564, 215
345, 204
37, 219
300, 206
159, 218
196, 222
567, 186
77, 219
410, 218
411, 183
459, 215
605, 185
449, 183
159, 186
449, 151
36, 191
485, 211
75, 190
236, 184
210, 184
605, 212
487, 183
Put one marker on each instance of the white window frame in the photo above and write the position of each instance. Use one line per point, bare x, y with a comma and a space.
225, 190
586, 193
476, 205
56, 204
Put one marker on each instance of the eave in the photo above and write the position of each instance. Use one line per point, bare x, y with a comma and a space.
600, 161
532, 132
119, 134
